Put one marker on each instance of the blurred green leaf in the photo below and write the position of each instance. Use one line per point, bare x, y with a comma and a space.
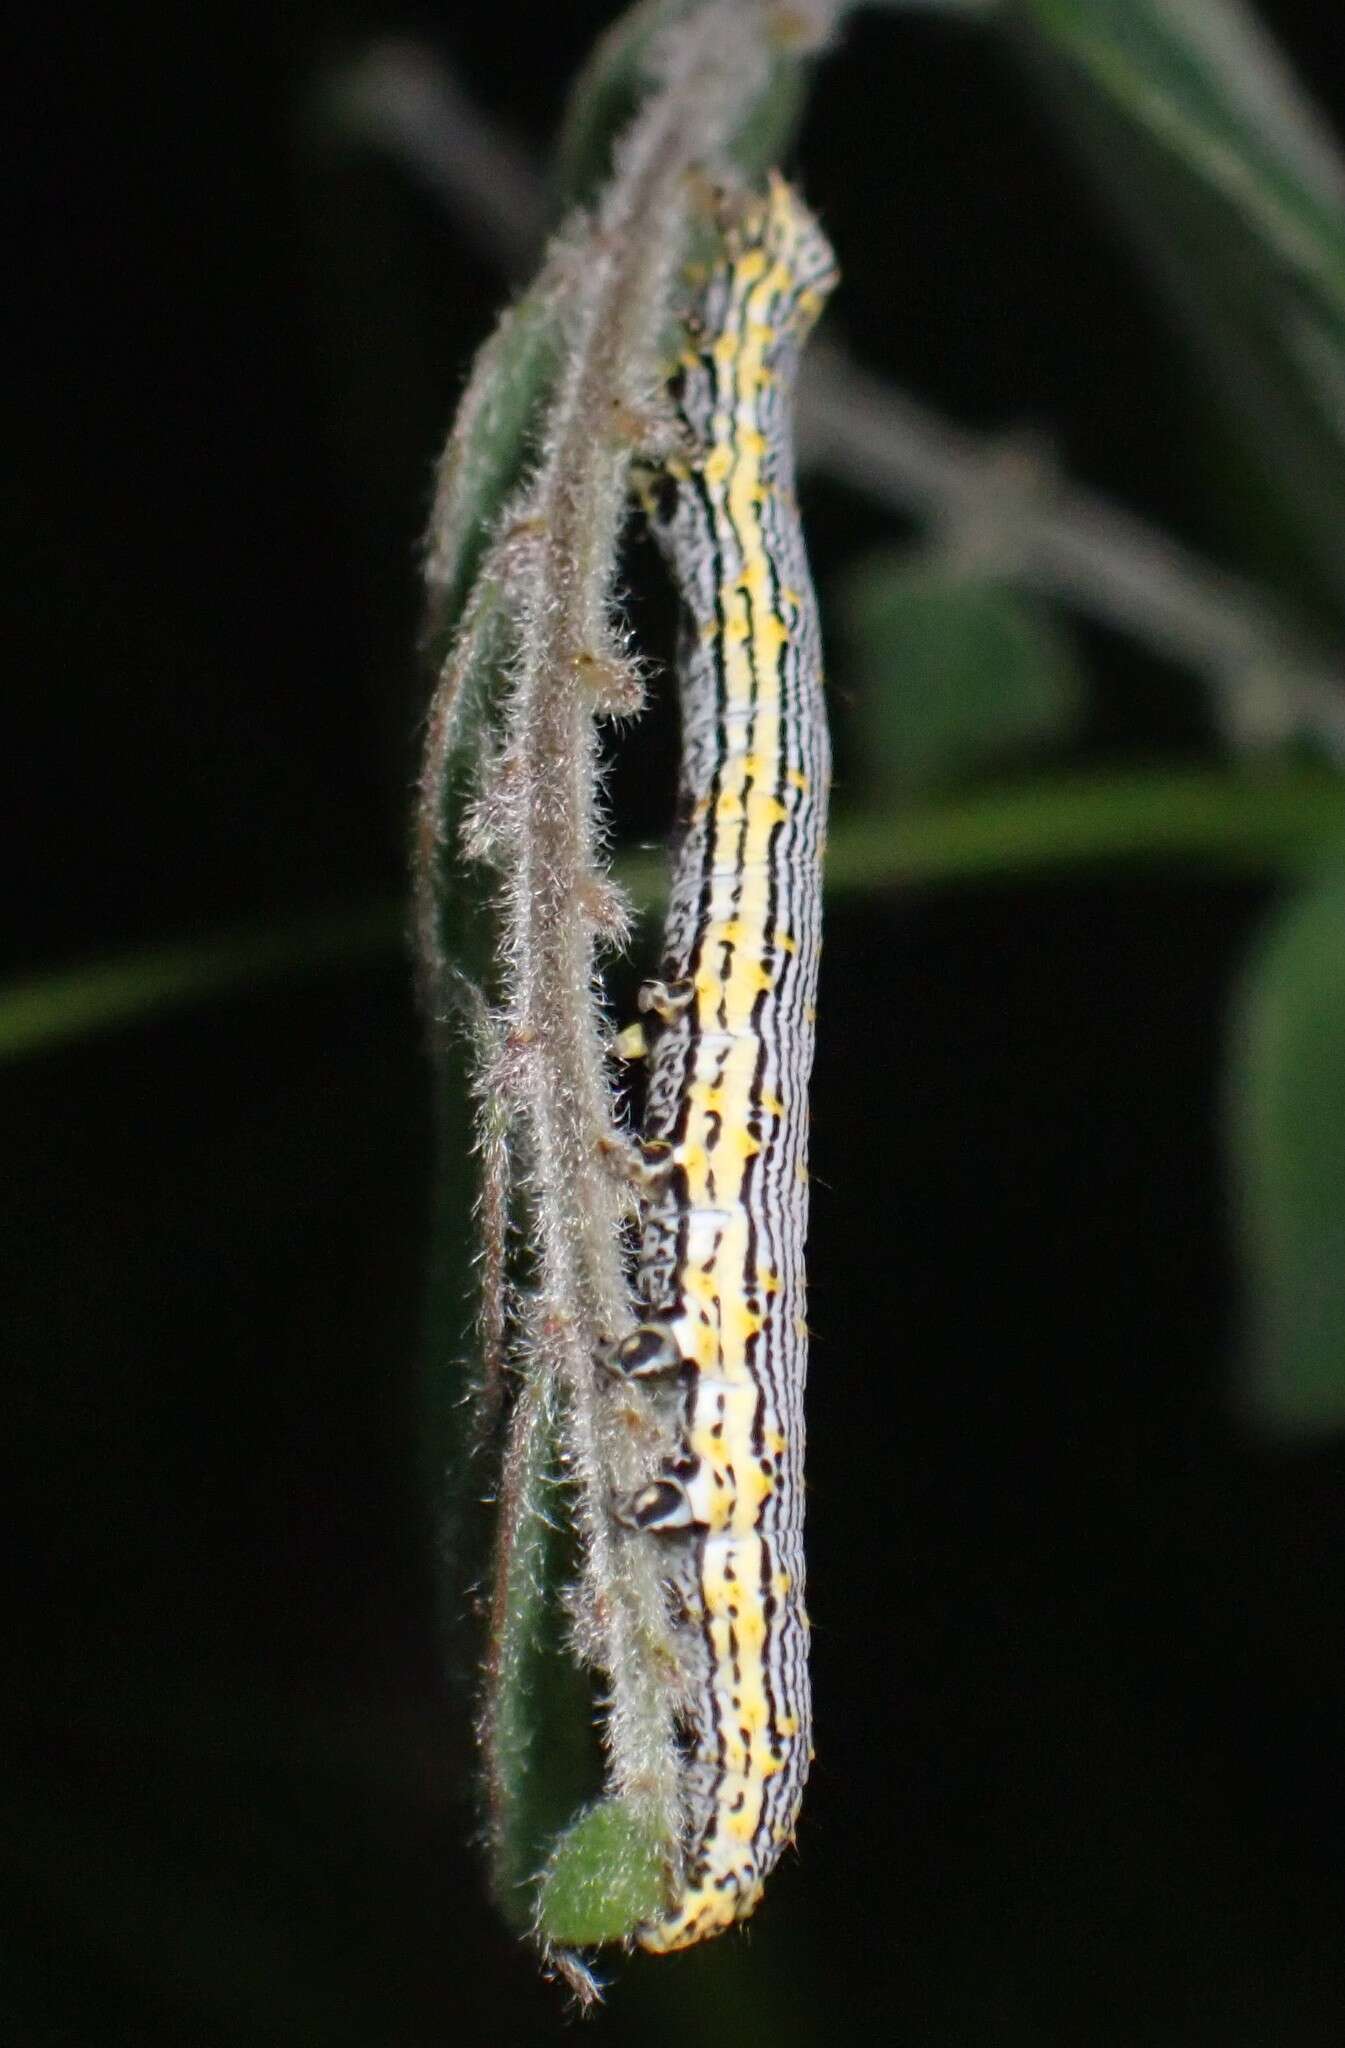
602, 101
1287, 1132
49, 1010
952, 674
1240, 824
1216, 98
1226, 180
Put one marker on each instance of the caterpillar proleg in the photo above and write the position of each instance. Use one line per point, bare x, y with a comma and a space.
721, 1276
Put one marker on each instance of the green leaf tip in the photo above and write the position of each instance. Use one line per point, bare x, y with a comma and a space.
1287, 1123
606, 1876
954, 672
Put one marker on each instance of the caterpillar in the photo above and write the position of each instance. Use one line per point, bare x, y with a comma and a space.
725, 1132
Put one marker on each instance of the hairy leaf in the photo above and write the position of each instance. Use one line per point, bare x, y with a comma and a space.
605, 1877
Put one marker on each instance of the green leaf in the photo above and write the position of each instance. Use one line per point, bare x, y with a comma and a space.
1202, 87
455, 898
540, 1750
1287, 1134
603, 101
1223, 175
486, 454
605, 1877
952, 674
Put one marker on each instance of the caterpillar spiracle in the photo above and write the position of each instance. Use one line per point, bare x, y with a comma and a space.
725, 1137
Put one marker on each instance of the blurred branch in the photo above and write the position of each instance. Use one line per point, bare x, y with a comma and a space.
995, 497
999, 501
48, 1010
399, 100
1237, 824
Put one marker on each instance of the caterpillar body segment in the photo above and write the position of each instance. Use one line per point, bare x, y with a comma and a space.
721, 1269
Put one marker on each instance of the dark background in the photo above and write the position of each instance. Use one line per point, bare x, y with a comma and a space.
1078, 1641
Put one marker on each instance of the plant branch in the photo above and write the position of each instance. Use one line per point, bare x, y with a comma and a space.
397, 99
1242, 825
1270, 679
44, 1011
1000, 501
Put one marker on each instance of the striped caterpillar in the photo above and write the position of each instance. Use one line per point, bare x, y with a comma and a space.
721, 1275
